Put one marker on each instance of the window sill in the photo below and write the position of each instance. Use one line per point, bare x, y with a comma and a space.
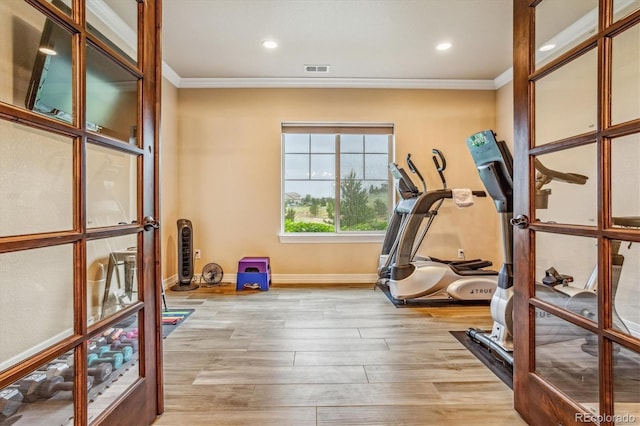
319, 238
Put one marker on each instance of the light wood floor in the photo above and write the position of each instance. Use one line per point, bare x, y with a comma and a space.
325, 355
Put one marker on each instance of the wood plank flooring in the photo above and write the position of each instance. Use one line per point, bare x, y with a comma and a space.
325, 355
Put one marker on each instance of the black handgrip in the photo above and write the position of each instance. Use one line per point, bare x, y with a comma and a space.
439, 167
479, 193
412, 166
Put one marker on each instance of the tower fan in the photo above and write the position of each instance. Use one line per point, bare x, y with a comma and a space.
185, 257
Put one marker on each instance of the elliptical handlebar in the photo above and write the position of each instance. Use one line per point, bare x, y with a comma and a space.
415, 170
546, 175
440, 165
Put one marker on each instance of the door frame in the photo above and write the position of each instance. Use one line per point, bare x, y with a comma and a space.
537, 401
144, 398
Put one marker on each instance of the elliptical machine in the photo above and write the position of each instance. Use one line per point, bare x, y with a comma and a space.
409, 193
495, 166
411, 277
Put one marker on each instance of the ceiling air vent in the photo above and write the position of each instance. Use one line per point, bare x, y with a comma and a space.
316, 68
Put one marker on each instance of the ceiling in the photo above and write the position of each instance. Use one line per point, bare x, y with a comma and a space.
365, 43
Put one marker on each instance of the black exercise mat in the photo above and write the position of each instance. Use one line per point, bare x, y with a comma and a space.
179, 314
426, 302
501, 369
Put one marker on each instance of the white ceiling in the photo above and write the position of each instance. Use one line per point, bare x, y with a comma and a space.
366, 43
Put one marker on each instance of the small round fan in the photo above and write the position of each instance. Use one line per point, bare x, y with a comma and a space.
212, 273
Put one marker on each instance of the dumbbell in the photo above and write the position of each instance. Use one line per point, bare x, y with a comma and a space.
133, 333
95, 345
116, 345
58, 368
29, 385
112, 334
126, 351
116, 360
56, 384
10, 400
100, 372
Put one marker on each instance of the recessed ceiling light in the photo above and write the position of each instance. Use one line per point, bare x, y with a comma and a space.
546, 47
443, 46
269, 44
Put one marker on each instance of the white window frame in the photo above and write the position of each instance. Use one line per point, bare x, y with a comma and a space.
334, 128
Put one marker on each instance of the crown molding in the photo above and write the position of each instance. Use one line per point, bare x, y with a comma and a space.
171, 75
335, 83
503, 79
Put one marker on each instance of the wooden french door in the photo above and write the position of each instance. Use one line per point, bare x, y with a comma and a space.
577, 264
79, 257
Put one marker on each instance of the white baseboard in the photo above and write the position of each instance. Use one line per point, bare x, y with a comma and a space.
168, 282
285, 279
321, 278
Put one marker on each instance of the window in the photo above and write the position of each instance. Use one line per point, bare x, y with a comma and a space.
336, 178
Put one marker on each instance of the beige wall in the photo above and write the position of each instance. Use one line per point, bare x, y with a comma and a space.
229, 172
169, 196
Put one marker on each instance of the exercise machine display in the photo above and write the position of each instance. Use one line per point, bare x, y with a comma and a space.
411, 277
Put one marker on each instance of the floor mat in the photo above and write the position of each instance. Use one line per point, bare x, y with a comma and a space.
498, 367
172, 318
426, 302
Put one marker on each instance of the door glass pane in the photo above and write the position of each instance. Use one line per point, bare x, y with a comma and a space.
36, 181
112, 98
626, 391
625, 179
570, 93
623, 8
567, 357
561, 25
36, 301
116, 23
625, 76
112, 276
42, 397
625, 276
113, 363
29, 77
565, 180
64, 5
566, 272
111, 187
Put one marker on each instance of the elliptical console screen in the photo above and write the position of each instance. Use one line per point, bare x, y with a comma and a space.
405, 183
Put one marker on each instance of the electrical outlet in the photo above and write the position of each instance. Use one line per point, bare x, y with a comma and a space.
460, 253
197, 253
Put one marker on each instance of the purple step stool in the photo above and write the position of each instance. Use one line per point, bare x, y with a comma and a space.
254, 270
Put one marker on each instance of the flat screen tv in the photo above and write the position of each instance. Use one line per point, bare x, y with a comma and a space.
50, 90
